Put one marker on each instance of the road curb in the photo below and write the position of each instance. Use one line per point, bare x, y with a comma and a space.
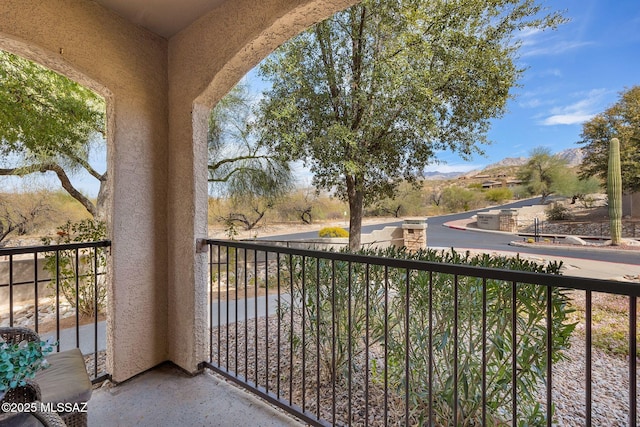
516, 243
574, 248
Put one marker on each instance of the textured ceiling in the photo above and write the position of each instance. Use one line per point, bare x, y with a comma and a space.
163, 17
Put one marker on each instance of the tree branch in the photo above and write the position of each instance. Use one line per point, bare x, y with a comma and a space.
62, 176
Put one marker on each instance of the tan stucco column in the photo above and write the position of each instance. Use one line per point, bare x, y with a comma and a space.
127, 65
205, 61
158, 95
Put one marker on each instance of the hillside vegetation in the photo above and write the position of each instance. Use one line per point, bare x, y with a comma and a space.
25, 217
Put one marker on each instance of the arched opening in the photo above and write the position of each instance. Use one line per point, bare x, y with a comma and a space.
54, 190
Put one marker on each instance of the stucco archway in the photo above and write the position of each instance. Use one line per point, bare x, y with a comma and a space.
159, 90
200, 46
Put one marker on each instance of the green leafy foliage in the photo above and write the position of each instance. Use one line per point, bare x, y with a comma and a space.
334, 316
421, 327
333, 232
20, 361
48, 123
240, 167
459, 199
74, 272
543, 173
440, 291
558, 212
367, 97
622, 121
499, 195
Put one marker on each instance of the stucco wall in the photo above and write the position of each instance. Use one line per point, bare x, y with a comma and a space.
159, 94
127, 65
205, 61
631, 205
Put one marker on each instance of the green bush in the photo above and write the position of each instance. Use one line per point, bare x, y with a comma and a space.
331, 298
438, 290
498, 195
458, 199
333, 232
70, 267
322, 305
557, 212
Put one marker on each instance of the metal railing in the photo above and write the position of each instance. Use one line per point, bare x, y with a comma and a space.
58, 291
342, 339
592, 228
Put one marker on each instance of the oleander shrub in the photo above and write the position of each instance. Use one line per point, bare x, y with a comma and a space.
438, 290
347, 309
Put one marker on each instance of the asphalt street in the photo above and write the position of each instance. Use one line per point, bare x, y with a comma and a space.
440, 236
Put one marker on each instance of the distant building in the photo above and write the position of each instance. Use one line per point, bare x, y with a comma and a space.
492, 184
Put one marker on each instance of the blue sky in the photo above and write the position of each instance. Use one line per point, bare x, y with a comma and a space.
571, 74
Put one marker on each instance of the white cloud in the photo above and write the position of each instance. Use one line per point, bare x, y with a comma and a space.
567, 119
554, 48
578, 112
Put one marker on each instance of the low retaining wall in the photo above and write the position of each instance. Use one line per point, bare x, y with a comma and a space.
23, 278
499, 220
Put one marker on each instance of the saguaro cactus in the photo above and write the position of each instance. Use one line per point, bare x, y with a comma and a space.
614, 192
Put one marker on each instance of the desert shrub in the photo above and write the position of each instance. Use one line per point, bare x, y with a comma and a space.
475, 186
70, 267
333, 232
557, 212
458, 199
331, 297
498, 195
439, 290
321, 305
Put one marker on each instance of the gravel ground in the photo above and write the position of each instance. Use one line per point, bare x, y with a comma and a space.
610, 380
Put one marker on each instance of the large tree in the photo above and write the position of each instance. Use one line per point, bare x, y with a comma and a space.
622, 121
49, 123
368, 97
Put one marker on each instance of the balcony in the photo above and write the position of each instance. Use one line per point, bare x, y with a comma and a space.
324, 336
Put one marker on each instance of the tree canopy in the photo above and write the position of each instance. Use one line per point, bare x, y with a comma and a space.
622, 121
48, 123
546, 174
369, 96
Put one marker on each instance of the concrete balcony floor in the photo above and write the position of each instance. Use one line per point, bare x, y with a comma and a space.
165, 396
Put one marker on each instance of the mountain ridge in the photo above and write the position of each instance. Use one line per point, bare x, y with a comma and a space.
573, 157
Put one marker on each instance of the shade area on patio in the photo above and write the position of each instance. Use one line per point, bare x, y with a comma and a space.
165, 396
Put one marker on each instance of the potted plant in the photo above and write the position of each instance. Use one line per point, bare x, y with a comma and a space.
19, 361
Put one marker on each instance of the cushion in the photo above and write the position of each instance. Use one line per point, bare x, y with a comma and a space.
66, 379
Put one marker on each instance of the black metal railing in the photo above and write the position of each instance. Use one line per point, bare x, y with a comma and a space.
592, 228
343, 339
59, 291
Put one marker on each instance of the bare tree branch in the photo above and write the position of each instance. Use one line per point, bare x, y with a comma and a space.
62, 176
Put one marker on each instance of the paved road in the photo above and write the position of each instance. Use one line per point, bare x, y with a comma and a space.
440, 236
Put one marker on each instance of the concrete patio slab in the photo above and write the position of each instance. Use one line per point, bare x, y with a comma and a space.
165, 396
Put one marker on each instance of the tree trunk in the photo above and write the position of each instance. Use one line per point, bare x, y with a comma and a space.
356, 206
103, 196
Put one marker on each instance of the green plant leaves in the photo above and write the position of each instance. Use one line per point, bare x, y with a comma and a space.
21, 361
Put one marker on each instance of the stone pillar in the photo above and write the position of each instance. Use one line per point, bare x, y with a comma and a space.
414, 232
509, 220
